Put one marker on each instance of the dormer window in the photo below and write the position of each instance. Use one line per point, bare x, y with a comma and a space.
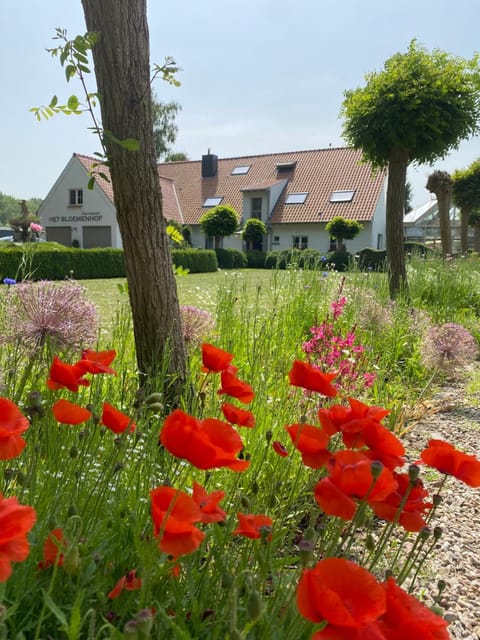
212, 202
283, 167
296, 198
240, 170
342, 196
75, 197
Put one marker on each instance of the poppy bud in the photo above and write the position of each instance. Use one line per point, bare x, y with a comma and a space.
71, 511
227, 580
71, 562
156, 406
370, 542
245, 502
424, 533
413, 472
255, 606
437, 499
305, 548
441, 586
154, 398
437, 533
255, 487
9, 473
376, 468
73, 453
268, 436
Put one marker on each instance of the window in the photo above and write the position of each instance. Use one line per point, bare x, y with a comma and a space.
276, 240
380, 241
286, 166
257, 208
342, 196
212, 202
240, 171
300, 242
75, 197
296, 198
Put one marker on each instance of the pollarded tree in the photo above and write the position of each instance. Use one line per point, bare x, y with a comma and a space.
253, 232
122, 68
416, 109
441, 184
466, 195
342, 229
219, 222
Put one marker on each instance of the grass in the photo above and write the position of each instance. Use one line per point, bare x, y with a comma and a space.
95, 484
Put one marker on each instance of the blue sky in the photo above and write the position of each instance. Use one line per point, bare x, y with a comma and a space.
258, 76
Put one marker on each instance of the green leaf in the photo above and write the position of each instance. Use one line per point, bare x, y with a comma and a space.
72, 103
91, 183
132, 144
70, 71
53, 102
57, 612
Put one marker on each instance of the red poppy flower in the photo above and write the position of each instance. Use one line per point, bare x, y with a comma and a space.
173, 514
312, 443
236, 388
207, 444
253, 526
66, 375
308, 377
411, 517
279, 449
383, 445
406, 617
214, 359
115, 420
69, 413
351, 420
238, 416
12, 424
129, 582
350, 478
340, 592
444, 457
208, 503
16, 520
97, 361
53, 549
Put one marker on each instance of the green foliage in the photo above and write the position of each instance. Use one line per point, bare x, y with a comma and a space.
343, 229
339, 260
165, 129
256, 259
372, 259
466, 186
231, 259
9, 207
219, 222
195, 260
296, 258
423, 103
253, 230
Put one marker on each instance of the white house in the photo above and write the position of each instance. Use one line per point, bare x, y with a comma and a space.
294, 193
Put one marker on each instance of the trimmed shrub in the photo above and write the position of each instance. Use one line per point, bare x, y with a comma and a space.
256, 259
339, 260
196, 260
300, 258
372, 259
231, 259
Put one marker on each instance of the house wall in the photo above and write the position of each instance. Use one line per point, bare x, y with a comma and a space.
66, 222
378, 228
318, 238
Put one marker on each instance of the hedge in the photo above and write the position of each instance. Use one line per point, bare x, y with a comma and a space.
50, 261
231, 259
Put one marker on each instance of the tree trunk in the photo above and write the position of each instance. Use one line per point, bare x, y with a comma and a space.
464, 218
444, 197
476, 238
122, 68
397, 176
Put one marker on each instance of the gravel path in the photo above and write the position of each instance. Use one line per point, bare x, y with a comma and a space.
455, 417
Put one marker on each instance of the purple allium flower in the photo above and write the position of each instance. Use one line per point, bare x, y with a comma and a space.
197, 324
53, 312
449, 347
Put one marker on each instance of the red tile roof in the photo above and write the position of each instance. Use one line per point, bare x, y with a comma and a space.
171, 206
317, 172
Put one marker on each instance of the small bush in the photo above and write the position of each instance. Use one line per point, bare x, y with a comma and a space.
339, 260
256, 259
231, 259
196, 260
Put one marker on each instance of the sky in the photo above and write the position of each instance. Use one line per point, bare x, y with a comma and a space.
258, 76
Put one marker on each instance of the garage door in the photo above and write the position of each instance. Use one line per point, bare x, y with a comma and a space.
63, 235
97, 237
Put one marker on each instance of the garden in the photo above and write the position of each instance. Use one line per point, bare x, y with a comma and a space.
276, 501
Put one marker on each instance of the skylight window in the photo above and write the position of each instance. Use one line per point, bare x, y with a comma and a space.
342, 196
240, 171
212, 202
296, 198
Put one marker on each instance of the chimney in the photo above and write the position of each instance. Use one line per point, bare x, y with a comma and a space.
209, 165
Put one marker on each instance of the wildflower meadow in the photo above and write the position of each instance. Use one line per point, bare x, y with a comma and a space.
275, 501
